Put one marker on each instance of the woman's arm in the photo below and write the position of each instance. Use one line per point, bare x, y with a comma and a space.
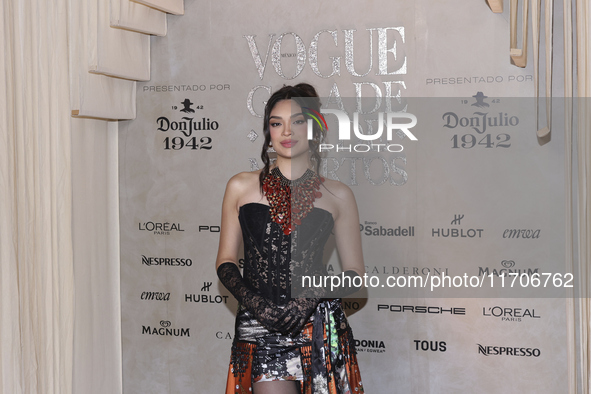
346, 230
264, 310
230, 233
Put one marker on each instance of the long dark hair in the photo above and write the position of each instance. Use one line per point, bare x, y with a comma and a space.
305, 95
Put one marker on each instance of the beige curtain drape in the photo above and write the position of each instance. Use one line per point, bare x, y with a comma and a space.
583, 85
60, 326
59, 254
36, 270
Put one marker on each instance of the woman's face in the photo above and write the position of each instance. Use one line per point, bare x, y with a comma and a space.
288, 128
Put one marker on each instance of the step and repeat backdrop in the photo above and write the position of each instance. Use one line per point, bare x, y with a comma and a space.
474, 198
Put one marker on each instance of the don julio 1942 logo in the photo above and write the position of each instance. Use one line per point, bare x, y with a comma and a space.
481, 124
186, 126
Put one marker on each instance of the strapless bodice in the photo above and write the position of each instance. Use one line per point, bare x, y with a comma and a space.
271, 257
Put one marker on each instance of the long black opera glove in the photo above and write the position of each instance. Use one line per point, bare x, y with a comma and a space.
264, 310
298, 310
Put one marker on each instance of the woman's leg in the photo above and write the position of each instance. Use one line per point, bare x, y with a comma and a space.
277, 387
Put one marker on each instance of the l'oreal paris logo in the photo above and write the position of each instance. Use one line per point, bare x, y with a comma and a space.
392, 123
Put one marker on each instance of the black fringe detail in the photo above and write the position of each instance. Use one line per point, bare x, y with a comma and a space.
348, 345
242, 357
306, 360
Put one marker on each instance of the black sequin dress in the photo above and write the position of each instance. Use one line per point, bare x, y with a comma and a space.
322, 356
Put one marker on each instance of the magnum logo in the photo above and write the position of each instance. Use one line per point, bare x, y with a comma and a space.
166, 330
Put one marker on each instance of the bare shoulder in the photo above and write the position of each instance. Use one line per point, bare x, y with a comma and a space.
338, 198
243, 181
341, 192
244, 188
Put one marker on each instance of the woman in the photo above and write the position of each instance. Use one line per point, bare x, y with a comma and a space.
284, 214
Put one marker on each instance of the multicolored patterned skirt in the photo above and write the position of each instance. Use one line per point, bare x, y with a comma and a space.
322, 356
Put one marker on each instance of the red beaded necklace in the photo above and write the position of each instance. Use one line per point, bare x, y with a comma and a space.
291, 201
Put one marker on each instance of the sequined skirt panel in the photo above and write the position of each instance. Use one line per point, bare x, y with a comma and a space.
260, 355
